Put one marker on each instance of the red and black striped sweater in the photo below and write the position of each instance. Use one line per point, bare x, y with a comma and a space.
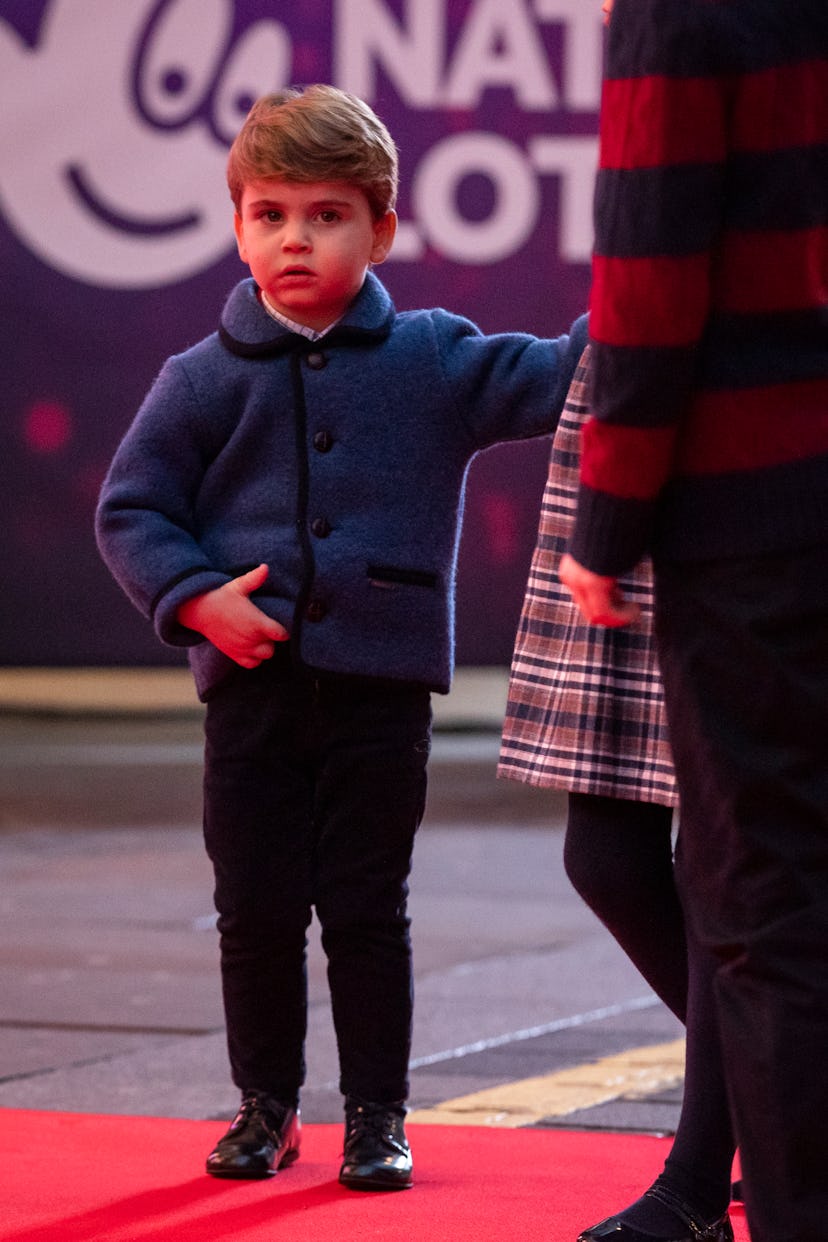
710, 285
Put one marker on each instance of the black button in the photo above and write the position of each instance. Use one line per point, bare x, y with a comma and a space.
322, 441
316, 361
316, 610
321, 527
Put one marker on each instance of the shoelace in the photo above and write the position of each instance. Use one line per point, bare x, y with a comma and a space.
269, 1116
376, 1119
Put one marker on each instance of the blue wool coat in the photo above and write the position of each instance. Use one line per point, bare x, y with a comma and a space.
341, 463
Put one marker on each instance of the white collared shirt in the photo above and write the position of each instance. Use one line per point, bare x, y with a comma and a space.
311, 333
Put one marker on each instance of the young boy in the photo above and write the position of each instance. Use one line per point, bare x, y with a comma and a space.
287, 504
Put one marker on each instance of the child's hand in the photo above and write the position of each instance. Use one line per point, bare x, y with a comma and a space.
599, 598
232, 622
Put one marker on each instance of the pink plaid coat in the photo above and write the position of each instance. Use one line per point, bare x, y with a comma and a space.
585, 710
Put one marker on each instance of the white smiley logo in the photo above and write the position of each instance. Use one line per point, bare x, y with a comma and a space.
125, 112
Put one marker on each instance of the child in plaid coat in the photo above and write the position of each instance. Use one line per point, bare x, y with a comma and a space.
585, 714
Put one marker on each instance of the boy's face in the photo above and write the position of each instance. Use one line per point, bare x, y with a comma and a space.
309, 245
606, 9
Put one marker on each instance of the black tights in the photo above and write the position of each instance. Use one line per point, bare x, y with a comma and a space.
618, 855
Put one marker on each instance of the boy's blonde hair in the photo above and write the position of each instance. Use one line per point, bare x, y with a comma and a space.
320, 133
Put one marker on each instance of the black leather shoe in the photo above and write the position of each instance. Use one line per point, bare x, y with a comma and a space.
616, 1229
264, 1136
377, 1155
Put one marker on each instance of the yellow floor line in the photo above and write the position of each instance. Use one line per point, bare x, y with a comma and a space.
635, 1073
79, 690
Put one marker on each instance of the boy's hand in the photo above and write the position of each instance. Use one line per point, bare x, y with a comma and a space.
232, 622
600, 599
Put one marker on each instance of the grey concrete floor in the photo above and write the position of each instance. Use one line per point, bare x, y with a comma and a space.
109, 995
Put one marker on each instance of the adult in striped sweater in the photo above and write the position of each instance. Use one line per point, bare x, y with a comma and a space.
709, 449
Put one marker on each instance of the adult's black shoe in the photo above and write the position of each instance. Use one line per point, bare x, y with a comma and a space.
689, 1225
376, 1155
263, 1137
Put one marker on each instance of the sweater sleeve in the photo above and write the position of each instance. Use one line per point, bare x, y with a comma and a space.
658, 210
144, 523
510, 385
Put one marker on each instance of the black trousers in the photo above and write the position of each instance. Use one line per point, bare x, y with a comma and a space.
314, 790
743, 646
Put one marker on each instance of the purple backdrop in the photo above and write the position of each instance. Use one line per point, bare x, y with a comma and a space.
116, 245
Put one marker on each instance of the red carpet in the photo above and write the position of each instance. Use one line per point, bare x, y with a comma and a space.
78, 1178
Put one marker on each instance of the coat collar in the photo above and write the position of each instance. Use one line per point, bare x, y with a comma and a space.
246, 328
